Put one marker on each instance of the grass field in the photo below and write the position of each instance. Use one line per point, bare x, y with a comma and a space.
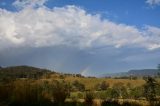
91, 82
129, 90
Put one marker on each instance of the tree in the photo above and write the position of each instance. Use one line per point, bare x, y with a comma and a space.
158, 67
150, 90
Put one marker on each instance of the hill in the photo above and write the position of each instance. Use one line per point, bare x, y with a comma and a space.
137, 73
22, 72
143, 72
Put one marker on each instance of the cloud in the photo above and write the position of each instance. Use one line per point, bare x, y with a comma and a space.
28, 3
153, 2
70, 26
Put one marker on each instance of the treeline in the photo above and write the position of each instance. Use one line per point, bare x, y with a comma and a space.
15, 72
22, 72
31, 92
27, 92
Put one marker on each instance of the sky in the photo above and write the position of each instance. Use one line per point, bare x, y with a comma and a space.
90, 37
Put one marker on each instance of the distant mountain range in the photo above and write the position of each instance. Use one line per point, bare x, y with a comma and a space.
33, 72
138, 73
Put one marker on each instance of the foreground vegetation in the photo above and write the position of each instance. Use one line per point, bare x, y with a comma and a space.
40, 87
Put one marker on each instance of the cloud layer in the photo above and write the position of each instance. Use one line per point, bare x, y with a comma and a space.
153, 2
69, 26
20, 4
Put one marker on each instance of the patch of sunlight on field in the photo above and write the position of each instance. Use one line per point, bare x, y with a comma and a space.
91, 82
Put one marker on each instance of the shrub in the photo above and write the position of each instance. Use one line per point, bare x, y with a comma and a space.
102, 86
80, 95
116, 103
126, 103
114, 94
78, 86
5, 92
150, 90
136, 92
60, 91
110, 103
119, 90
89, 98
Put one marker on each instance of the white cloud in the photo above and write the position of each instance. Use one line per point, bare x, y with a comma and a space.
153, 2
70, 26
28, 3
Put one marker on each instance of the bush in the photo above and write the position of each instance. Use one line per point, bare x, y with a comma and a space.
80, 95
60, 91
110, 103
77, 86
126, 103
114, 94
5, 92
119, 90
116, 103
89, 98
136, 93
102, 86
150, 90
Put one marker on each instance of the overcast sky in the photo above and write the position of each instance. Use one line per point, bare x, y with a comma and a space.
91, 37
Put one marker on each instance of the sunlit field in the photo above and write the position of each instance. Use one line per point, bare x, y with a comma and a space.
45, 88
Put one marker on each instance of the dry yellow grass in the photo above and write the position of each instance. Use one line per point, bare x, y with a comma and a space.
91, 82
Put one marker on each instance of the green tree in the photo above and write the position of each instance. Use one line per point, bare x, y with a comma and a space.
158, 67
150, 90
